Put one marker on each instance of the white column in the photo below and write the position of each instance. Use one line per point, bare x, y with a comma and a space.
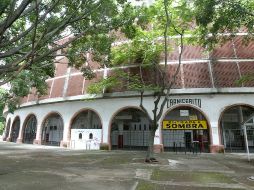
10, 129
105, 130
157, 136
66, 128
20, 137
39, 131
215, 133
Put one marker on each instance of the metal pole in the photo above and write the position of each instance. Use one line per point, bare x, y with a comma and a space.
246, 142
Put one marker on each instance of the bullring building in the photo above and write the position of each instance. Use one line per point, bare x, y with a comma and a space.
206, 106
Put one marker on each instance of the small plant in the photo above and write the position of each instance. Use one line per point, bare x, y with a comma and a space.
104, 147
1, 128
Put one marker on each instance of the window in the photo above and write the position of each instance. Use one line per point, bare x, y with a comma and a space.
250, 134
80, 136
91, 136
125, 127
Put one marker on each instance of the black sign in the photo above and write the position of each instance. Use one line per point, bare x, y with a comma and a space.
193, 101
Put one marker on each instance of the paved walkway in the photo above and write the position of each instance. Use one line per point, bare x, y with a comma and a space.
32, 167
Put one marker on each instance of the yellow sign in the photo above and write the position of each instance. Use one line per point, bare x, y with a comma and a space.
185, 125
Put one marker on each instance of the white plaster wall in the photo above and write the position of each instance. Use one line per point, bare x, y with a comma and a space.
85, 143
212, 106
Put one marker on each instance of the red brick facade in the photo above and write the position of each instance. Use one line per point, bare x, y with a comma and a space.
228, 62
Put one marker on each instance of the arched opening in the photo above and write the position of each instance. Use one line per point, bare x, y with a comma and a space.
15, 130
30, 128
83, 124
7, 130
80, 136
130, 130
52, 130
185, 129
232, 134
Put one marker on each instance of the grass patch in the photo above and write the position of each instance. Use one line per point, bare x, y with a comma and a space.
114, 160
145, 185
187, 176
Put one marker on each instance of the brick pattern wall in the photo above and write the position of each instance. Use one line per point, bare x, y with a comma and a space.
197, 75
23, 100
243, 50
99, 75
75, 85
149, 75
225, 74
57, 88
189, 52
74, 70
61, 68
247, 68
192, 75
48, 90
224, 51
193, 52
171, 72
32, 96
122, 86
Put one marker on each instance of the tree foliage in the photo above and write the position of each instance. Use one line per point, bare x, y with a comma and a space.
214, 17
149, 39
34, 32
3, 93
146, 47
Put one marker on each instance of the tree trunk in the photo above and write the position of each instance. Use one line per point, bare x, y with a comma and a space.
150, 150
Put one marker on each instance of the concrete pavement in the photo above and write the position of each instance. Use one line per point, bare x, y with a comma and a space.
33, 167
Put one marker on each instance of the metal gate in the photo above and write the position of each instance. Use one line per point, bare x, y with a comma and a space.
185, 141
234, 140
15, 130
30, 130
133, 139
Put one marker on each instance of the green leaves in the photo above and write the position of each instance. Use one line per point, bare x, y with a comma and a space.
246, 78
29, 39
205, 11
26, 80
122, 80
103, 85
215, 16
137, 52
121, 55
1, 128
146, 28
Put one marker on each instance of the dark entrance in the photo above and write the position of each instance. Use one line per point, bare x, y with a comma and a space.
15, 130
29, 133
130, 130
182, 139
187, 139
52, 130
232, 134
